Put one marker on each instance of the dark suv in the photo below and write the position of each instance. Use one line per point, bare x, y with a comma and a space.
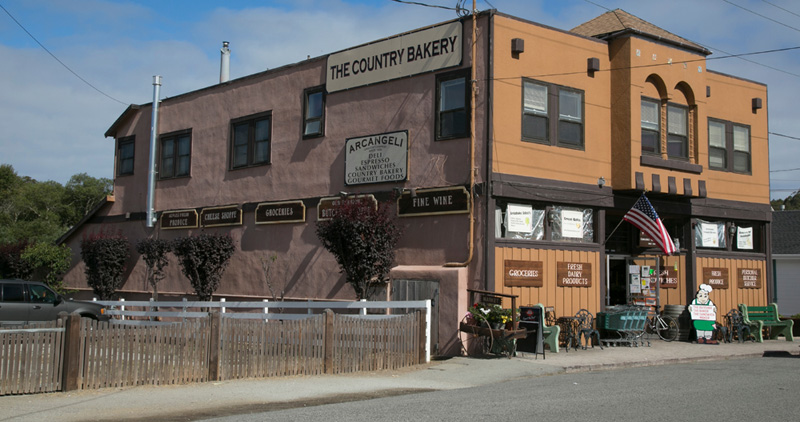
25, 301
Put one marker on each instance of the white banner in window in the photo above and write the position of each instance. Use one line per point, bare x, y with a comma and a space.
744, 238
520, 218
710, 235
572, 224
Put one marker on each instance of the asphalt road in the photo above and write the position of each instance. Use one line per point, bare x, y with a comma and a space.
764, 388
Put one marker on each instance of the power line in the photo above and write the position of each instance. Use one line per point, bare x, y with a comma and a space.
785, 10
56, 58
780, 171
758, 14
424, 4
785, 136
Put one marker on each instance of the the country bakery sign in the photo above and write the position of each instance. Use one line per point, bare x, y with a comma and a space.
422, 51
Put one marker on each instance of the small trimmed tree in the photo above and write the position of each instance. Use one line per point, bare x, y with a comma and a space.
154, 253
105, 255
362, 238
203, 260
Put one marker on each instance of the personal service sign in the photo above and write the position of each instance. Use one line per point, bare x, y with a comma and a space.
376, 158
423, 51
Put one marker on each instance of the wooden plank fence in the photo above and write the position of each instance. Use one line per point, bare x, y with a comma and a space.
74, 353
30, 358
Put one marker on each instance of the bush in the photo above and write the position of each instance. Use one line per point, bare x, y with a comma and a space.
11, 263
105, 256
154, 253
50, 262
203, 260
362, 239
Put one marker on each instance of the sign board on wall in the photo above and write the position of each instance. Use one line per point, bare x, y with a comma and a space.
221, 216
405, 55
179, 219
280, 212
716, 277
573, 274
572, 224
523, 273
744, 237
749, 278
326, 208
668, 278
376, 158
433, 202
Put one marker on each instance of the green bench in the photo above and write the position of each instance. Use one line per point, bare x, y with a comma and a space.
759, 317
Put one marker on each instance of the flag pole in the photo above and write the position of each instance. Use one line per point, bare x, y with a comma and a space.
612, 231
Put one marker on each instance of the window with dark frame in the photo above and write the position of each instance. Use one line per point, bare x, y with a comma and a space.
651, 127
541, 124
452, 106
125, 153
250, 140
314, 112
677, 131
176, 155
522, 220
728, 146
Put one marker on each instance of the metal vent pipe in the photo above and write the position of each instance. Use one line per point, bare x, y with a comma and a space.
151, 175
225, 63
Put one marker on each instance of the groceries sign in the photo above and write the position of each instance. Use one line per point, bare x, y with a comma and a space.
405, 55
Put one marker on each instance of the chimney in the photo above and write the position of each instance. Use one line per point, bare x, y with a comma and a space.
225, 63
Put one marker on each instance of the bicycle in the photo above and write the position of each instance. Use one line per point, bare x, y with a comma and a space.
664, 326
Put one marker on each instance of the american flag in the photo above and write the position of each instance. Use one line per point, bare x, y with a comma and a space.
644, 216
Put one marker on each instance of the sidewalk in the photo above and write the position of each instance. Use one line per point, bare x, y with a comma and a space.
194, 401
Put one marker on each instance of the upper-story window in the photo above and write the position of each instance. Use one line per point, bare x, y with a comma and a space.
125, 149
677, 131
452, 106
314, 112
176, 155
651, 127
250, 140
552, 114
728, 146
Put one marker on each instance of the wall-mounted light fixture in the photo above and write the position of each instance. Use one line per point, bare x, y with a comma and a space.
601, 182
398, 191
677, 243
756, 104
517, 46
343, 194
413, 192
732, 230
592, 65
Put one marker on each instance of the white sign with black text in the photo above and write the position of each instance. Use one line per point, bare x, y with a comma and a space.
376, 158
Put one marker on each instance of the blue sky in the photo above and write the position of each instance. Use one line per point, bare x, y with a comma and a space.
52, 123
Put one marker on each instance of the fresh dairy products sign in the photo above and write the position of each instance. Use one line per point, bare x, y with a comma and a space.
422, 51
376, 158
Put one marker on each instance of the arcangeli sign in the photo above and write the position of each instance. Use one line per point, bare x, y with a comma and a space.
376, 158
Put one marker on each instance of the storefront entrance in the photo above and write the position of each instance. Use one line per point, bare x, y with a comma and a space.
632, 280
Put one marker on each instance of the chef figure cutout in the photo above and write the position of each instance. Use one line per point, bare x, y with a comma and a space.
704, 315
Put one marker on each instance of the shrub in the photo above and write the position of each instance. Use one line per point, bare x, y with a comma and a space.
50, 262
11, 263
203, 260
362, 238
105, 256
154, 253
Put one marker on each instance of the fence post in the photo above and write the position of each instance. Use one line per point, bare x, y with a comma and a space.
122, 308
222, 303
423, 337
70, 369
215, 325
329, 316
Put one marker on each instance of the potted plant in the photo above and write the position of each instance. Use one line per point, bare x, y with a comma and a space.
492, 316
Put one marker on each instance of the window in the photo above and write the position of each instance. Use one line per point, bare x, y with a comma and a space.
41, 294
651, 127
677, 132
539, 121
728, 146
710, 234
538, 222
12, 293
125, 156
250, 140
176, 155
314, 113
452, 105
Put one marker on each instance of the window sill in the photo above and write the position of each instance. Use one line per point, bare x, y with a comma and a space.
651, 161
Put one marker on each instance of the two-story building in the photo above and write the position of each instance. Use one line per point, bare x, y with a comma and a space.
512, 150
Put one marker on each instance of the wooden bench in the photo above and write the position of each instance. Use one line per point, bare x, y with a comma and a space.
760, 317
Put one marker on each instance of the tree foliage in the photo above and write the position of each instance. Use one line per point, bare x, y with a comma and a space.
11, 263
105, 256
203, 260
791, 202
154, 253
362, 238
42, 211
